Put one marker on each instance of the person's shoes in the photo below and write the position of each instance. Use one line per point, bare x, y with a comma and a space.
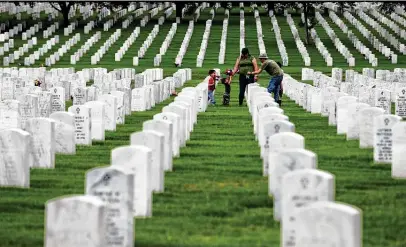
279, 102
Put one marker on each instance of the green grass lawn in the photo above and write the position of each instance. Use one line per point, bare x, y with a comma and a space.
216, 195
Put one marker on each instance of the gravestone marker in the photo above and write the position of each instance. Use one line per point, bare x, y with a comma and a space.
154, 140
15, 160
57, 99
279, 142
301, 188
165, 127
400, 102
75, 221
284, 162
137, 159
42, 131
353, 121
326, 223
366, 120
383, 100
65, 139
83, 125
398, 150
383, 137
114, 186
97, 112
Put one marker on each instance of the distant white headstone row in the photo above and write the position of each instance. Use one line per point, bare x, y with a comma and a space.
148, 41
127, 44
57, 55
363, 49
242, 29
279, 41
19, 28
125, 187
203, 45
168, 39
223, 41
344, 51
375, 42
185, 44
299, 44
303, 195
260, 35
360, 108
95, 59
85, 48
385, 34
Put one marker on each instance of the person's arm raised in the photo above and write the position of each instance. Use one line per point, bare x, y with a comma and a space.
237, 64
257, 70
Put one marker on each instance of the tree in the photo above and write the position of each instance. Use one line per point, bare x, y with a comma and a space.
63, 8
179, 6
345, 6
309, 16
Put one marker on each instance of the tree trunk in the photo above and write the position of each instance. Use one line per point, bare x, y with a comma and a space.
271, 6
65, 15
305, 9
179, 7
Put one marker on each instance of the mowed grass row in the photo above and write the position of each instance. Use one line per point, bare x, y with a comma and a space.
216, 195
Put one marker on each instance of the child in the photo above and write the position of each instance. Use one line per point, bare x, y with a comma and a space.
227, 81
212, 86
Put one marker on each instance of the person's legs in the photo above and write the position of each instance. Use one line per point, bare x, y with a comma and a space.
274, 87
243, 85
211, 97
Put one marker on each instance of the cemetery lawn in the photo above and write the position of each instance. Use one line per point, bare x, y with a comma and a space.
216, 194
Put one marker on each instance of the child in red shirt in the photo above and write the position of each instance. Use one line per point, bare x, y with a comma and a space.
212, 86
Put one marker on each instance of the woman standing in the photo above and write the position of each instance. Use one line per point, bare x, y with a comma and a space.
245, 64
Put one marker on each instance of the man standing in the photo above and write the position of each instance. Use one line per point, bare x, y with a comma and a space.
275, 72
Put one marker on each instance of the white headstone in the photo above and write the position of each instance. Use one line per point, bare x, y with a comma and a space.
155, 141
366, 122
286, 161
97, 112
383, 137
115, 186
42, 131
76, 221
65, 138
15, 161
301, 188
83, 125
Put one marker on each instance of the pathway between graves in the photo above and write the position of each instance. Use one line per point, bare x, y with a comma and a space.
216, 195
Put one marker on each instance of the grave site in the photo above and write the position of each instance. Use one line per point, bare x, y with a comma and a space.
107, 136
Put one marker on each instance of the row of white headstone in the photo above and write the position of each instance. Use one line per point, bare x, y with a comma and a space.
185, 44
57, 55
223, 42
344, 51
360, 117
203, 45
127, 185
168, 39
42, 114
260, 35
127, 44
77, 55
28, 33
303, 196
148, 41
95, 59
321, 47
50, 30
279, 40
299, 43
242, 30
376, 43
352, 37
385, 34
388, 22
19, 28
